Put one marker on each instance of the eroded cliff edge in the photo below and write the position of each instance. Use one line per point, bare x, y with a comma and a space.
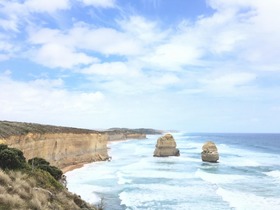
61, 146
64, 146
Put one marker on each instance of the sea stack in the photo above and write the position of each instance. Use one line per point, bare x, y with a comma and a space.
166, 146
209, 152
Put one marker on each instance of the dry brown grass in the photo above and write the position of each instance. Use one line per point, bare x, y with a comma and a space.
4, 178
2, 190
13, 201
19, 190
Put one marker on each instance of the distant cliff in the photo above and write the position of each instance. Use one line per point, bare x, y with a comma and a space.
64, 146
126, 133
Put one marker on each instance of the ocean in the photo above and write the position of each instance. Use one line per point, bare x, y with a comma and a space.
246, 177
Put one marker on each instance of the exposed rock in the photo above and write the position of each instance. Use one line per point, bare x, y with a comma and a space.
61, 146
64, 146
166, 146
209, 152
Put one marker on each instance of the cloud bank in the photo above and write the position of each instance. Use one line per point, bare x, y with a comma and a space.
97, 57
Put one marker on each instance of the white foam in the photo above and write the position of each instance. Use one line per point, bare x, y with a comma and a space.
218, 178
149, 196
176, 182
274, 174
241, 200
159, 174
122, 180
233, 156
240, 162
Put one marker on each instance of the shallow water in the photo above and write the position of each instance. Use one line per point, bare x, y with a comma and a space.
247, 176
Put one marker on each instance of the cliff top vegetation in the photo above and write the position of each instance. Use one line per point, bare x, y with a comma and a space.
34, 184
8, 128
148, 131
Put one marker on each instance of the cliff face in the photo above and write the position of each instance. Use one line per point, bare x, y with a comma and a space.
126, 133
62, 149
64, 146
116, 136
61, 146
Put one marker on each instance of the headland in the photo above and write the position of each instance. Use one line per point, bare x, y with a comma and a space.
65, 147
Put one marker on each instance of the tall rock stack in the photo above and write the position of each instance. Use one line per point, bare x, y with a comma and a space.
166, 146
209, 152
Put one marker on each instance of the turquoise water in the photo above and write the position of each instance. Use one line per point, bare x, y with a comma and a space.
247, 176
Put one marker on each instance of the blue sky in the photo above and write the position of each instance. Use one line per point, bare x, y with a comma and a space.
193, 65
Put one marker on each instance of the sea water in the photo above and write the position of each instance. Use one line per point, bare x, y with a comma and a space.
246, 177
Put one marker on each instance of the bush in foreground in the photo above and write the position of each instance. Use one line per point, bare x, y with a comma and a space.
35, 191
34, 188
11, 158
45, 165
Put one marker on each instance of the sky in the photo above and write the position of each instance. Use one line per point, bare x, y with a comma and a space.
192, 65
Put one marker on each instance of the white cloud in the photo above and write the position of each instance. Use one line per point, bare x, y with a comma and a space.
47, 6
107, 41
100, 3
230, 37
56, 49
12, 13
18, 13
239, 33
253, 21
46, 35
173, 56
230, 83
108, 69
148, 32
54, 55
135, 85
4, 57
65, 49
11, 24
7, 48
230, 4
167, 79
231, 80
46, 83
46, 100
192, 44
128, 78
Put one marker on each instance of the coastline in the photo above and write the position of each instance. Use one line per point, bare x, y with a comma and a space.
73, 167
80, 165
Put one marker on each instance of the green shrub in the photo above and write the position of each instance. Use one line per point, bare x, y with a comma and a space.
3, 146
45, 165
46, 180
38, 161
11, 158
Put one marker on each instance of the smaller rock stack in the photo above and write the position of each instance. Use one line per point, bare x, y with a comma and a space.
166, 146
209, 152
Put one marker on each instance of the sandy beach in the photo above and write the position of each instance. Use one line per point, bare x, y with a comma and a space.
72, 167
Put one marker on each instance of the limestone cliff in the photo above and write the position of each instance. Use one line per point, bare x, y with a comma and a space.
64, 146
59, 145
116, 136
125, 133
